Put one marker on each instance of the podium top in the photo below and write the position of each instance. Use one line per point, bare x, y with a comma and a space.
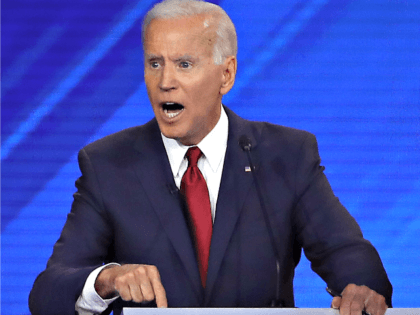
228, 311
251, 311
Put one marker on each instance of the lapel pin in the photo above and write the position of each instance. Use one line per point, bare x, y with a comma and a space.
247, 169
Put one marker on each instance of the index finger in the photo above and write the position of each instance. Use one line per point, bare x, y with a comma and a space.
160, 293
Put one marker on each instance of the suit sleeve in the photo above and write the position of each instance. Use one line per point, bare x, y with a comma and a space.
330, 236
82, 247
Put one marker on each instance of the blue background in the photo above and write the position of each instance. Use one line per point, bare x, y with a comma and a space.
347, 71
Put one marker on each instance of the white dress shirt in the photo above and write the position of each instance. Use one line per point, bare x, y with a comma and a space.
210, 164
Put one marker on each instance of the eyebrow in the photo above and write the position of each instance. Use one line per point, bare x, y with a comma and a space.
186, 57
180, 58
152, 57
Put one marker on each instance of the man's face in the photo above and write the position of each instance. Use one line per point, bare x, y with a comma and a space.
184, 85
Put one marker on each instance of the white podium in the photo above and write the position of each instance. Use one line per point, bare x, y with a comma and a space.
252, 311
228, 311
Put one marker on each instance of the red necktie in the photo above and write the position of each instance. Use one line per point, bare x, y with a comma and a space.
194, 188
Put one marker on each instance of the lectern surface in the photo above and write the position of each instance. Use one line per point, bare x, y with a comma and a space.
228, 311
252, 311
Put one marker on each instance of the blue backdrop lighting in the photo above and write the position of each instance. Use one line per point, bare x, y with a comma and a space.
346, 70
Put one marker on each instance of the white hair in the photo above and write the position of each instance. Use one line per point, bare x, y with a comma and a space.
226, 42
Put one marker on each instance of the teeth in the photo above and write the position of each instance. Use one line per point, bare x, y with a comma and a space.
172, 115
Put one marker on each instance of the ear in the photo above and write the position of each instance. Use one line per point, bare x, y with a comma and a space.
229, 74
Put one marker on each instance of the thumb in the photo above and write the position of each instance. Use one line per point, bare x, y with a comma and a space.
336, 302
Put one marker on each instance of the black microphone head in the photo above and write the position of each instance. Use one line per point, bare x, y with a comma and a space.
245, 143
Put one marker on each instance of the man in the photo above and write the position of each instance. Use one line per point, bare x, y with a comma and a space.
129, 214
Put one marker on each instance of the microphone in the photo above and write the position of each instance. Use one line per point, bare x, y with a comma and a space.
246, 145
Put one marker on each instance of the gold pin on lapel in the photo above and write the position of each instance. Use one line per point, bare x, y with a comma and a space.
247, 168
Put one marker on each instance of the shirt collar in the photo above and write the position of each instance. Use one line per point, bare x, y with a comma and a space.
213, 146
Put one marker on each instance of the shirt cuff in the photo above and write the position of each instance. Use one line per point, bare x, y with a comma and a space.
89, 302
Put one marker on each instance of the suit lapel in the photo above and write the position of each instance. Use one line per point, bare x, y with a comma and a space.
234, 187
156, 177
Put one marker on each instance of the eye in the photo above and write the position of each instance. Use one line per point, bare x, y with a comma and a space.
185, 64
154, 64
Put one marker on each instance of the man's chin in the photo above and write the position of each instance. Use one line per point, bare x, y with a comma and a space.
183, 140
178, 135
171, 135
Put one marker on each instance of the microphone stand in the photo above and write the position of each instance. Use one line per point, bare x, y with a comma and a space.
245, 144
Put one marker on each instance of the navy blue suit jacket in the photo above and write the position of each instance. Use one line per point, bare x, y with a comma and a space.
127, 210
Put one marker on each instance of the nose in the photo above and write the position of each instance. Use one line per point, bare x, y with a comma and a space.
167, 79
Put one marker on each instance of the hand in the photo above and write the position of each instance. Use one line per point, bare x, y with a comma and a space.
138, 283
354, 299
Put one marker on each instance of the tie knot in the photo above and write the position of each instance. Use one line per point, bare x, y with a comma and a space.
193, 154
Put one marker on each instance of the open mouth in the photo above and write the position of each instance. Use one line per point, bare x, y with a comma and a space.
172, 110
